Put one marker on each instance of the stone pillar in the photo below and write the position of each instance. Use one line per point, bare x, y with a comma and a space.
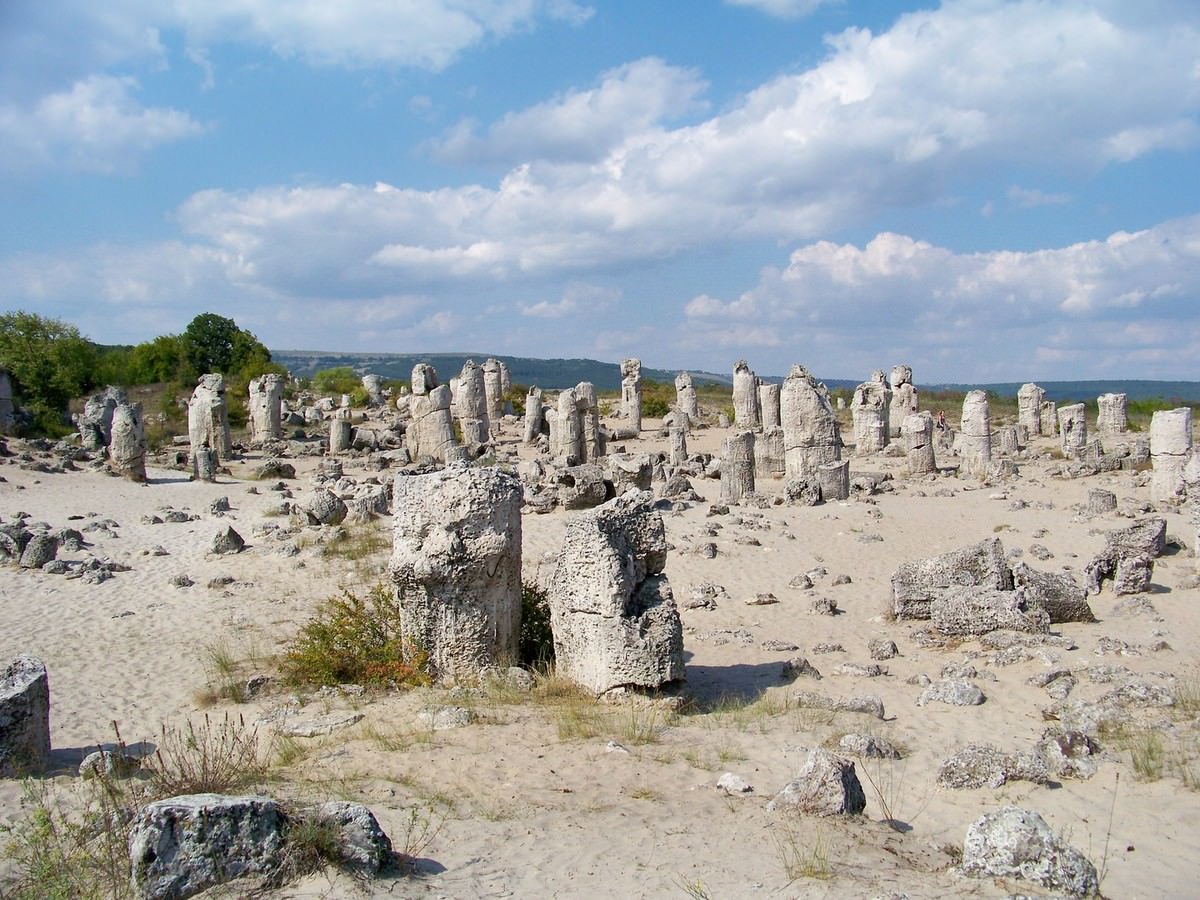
1049, 418
1029, 409
833, 479
1112, 418
685, 398
373, 385
1008, 440
631, 393
204, 464
456, 565
769, 454
533, 415
746, 413
208, 416
679, 451
903, 402
613, 615
768, 405
975, 443
493, 389
424, 378
917, 432
810, 429
6, 402
1072, 427
737, 466
431, 433
266, 408
591, 440
341, 434
1170, 448
471, 402
1191, 485
95, 422
25, 718
871, 409
566, 436
127, 442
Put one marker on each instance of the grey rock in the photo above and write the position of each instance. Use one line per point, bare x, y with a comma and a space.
1068, 754
797, 667
982, 765
40, 549
867, 704
109, 764
916, 584
882, 648
228, 541
733, 784
953, 692
826, 785
1017, 843
1056, 593
362, 845
24, 717
324, 507
868, 745
967, 611
320, 725
442, 718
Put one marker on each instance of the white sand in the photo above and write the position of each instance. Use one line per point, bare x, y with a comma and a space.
535, 814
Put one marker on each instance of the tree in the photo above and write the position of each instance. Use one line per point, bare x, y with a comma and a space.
49, 364
209, 340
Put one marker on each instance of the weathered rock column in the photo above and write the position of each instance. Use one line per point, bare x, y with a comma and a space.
204, 464
566, 434
917, 432
746, 413
834, 480
810, 429
768, 405
1072, 427
631, 393
737, 466
471, 402
456, 565
870, 408
1008, 440
1191, 484
591, 440
424, 378
533, 415
903, 401
431, 433
1049, 418
1170, 448
341, 433
679, 451
975, 445
95, 422
266, 408
613, 615
25, 718
1113, 415
493, 389
769, 455
373, 385
1029, 409
127, 442
208, 416
685, 398
506, 406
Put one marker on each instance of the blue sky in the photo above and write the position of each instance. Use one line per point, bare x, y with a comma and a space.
984, 190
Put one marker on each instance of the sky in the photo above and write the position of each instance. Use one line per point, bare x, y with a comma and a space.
986, 191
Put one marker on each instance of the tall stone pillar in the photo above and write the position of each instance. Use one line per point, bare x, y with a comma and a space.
127, 442
471, 403
208, 417
768, 405
266, 406
1113, 415
917, 432
533, 415
1029, 409
903, 401
810, 429
1072, 427
737, 466
591, 440
746, 413
871, 408
1170, 449
493, 389
975, 441
631, 393
685, 398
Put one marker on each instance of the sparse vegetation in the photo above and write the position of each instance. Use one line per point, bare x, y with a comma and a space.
211, 757
799, 856
537, 640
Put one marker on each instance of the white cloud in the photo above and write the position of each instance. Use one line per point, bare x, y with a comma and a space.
1027, 198
97, 125
577, 300
783, 9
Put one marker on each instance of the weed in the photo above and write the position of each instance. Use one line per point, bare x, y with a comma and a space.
801, 860
888, 788
694, 889
355, 544
641, 723
421, 828
289, 751
311, 843
1147, 755
645, 793
536, 647
212, 758
1186, 694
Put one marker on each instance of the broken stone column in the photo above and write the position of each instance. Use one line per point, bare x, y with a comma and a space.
533, 415
1113, 417
341, 434
566, 434
746, 413
768, 405
127, 442
737, 466
613, 616
25, 717
373, 385
685, 398
204, 464
208, 416
769, 456
424, 378
1072, 428
1049, 418
679, 451
431, 432
266, 408
1029, 409
506, 406
1008, 441
6, 402
456, 565
810, 429
493, 389
631, 393
1191, 484
1170, 448
917, 432
903, 401
95, 422
471, 402
975, 446
833, 478
591, 439
870, 408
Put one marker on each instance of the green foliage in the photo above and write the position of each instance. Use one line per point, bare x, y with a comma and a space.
49, 363
341, 380
657, 398
215, 344
357, 641
536, 647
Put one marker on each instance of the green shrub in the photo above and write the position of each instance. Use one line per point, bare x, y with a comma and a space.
537, 640
357, 641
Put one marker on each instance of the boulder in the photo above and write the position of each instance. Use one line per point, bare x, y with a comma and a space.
1017, 843
24, 717
361, 844
981, 765
324, 507
228, 541
1055, 592
916, 584
968, 611
826, 785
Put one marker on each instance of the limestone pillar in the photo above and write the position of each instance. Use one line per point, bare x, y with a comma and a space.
685, 398
493, 389
917, 432
975, 446
533, 415
833, 478
1112, 418
1049, 418
266, 408
631, 393
903, 401
566, 435
6, 402
587, 405
127, 442
25, 717
424, 378
679, 451
1029, 409
208, 417
810, 429
373, 385
1072, 428
769, 454
768, 405
1170, 448
471, 402
95, 422
737, 466
871, 408
746, 413
341, 434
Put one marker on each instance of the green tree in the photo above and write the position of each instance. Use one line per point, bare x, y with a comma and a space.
49, 363
209, 340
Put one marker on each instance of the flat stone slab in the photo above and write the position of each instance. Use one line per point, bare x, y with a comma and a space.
328, 724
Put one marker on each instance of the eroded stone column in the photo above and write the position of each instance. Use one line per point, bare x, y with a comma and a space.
533, 415
373, 385
746, 413
266, 408
424, 378
127, 442
1029, 409
1072, 428
493, 389
975, 440
208, 417
810, 429
456, 565
769, 456
6, 402
631, 393
917, 432
1113, 414
431, 433
341, 433
1049, 418
679, 451
685, 398
95, 422
471, 402
1170, 449
737, 466
871, 408
566, 435
591, 440
903, 401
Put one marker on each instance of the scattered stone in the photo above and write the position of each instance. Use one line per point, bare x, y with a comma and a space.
181, 581
1068, 754
764, 599
441, 718
982, 765
952, 691
868, 746
825, 647
1017, 843
24, 718
858, 670
109, 764
228, 541
867, 704
823, 606
882, 648
826, 785
776, 646
321, 725
964, 611
799, 667
733, 784
916, 584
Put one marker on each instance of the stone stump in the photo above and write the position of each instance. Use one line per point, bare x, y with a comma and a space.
341, 435
685, 398
373, 385
456, 565
266, 408
493, 389
870, 408
24, 718
631, 394
533, 415
917, 432
975, 442
204, 464
679, 450
613, 615
1072, 429
1100, 502
834, 480
1170, 449
1008, 441
431, 433
424, 378
127, 442
587, 407
769, 461
566, 435
746, 413
904, 401
737, 466
1049, 418
472, 404
1029, 409
1113, 414
768, 405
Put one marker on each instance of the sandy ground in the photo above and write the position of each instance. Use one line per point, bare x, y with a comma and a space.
526, 803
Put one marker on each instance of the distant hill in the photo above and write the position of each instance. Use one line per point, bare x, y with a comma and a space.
1082, 391
551, 374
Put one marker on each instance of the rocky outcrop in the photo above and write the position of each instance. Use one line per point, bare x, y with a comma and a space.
916, 584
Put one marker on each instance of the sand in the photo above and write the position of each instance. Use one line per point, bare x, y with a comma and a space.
523, 804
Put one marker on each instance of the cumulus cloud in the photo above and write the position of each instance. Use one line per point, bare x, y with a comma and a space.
97, 125
577, 300
783, 9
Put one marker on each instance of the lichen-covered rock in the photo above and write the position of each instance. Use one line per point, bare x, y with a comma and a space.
614, 618
582, 487
1017, 843
39, 550
324, 507
1128, 557
629, 471
361, 844
1055, 592
456, 564
973, 611
228, 541
952, 692
868, 704
982, 765
917, 583
1068, 754
868, 746
24, 717
826, 785
183, 845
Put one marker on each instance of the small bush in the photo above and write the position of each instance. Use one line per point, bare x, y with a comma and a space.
357, 641
537, 640
214, 757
